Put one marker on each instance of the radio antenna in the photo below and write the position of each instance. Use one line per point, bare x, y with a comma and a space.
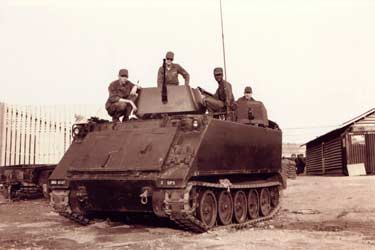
222, 39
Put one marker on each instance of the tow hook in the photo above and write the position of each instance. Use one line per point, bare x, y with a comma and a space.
144, 195
144, 198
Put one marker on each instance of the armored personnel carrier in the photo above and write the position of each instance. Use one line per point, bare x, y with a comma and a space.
199, 170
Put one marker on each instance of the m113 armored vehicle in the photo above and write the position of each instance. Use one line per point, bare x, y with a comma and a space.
199, 170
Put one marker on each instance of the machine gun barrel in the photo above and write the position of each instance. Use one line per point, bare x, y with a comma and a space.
164, 93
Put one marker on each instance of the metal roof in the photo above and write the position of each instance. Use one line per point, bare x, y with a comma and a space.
340, 129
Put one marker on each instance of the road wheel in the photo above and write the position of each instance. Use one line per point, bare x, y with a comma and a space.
225, 211
265, 202
75, 204
240, 206
207, 211
253, 204
275, 196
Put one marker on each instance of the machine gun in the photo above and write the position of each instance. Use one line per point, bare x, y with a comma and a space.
204, 92
164, 93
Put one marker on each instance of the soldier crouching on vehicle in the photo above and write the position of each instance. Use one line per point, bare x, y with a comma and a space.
122, 94
223, 99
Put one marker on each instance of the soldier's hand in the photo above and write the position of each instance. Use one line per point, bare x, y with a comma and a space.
135, 95
134, 107
134, 90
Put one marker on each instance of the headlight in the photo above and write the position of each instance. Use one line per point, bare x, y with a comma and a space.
195, 124
53, 182
79, 131
76, 131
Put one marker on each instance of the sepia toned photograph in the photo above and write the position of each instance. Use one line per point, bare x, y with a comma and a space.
171, 125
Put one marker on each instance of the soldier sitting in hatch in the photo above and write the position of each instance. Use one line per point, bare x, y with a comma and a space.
172, 70
223, 99
122, 94
248, 110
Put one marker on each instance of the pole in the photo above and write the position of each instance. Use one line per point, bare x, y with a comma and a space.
222, 39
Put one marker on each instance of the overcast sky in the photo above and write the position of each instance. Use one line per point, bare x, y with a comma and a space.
310, 62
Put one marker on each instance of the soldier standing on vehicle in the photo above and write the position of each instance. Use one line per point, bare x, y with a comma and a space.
172, 70
122, 94
223, 98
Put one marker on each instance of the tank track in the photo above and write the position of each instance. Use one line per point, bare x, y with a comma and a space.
187, 220
60, 202
80, 219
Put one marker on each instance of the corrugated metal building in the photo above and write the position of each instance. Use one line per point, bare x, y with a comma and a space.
31, 134
351, 145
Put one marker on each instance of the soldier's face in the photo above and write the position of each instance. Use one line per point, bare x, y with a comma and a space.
123, 79
219, 77
248, 95
169, 61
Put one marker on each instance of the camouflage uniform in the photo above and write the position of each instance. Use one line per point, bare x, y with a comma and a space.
171, 73
114, 107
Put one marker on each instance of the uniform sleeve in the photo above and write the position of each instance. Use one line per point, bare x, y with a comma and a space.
228, 95
160, 76
184, 73
128, 89
131, 85
113, 94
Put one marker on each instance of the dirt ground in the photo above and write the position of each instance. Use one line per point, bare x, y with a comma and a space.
317, 213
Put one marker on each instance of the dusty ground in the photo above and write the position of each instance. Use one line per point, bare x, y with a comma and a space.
317, 213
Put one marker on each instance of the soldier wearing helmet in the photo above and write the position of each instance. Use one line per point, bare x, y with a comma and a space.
172, 70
